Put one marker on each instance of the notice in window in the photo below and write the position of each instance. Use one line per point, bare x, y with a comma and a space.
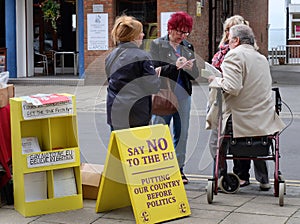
164, 18
97, 31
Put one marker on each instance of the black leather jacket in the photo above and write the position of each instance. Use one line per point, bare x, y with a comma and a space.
164, 56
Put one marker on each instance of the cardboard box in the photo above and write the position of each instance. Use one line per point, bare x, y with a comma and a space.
90, 175
5, 94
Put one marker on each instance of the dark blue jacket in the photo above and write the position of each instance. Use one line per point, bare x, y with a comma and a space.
131, 82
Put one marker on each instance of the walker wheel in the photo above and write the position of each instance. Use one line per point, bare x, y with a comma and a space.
281, 193
281, 179
210, 191
229, 184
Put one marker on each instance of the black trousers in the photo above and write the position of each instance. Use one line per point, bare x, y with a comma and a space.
242, 167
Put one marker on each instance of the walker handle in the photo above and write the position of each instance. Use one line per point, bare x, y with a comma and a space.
278, 102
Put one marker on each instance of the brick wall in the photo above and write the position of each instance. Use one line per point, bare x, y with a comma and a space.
293, 42
255, 11
94, 60
199, 35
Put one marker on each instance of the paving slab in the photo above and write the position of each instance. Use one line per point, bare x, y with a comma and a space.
243, 218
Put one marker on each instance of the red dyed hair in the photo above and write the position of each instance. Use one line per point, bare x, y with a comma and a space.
180, 20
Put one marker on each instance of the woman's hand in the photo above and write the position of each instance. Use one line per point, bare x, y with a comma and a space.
183, 63
158, 70
211, 78
189, 65
180, 62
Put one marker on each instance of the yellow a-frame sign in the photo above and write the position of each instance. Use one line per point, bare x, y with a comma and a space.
141, 170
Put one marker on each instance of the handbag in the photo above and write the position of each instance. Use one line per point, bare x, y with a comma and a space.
164, 102
250, 146
254, 146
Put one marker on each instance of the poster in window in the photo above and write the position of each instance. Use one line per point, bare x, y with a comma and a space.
97, 31
164, 18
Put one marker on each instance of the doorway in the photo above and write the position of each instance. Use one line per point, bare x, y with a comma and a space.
50, 42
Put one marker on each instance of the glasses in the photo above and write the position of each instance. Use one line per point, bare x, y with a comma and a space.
181, 32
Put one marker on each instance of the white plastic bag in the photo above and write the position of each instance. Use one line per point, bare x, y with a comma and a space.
4, 76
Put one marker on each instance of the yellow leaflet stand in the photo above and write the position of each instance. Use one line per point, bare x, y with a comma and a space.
141, 170
58, 140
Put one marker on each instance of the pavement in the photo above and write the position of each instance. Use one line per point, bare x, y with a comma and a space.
248, 205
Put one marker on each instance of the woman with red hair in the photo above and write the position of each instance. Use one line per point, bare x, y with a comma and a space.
174, 55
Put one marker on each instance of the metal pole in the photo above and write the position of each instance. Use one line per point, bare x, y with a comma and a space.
287, 35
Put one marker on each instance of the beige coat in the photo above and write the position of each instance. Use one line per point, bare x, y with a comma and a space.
212, 110
248, 95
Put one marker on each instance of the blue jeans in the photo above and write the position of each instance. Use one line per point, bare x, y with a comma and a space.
181, 120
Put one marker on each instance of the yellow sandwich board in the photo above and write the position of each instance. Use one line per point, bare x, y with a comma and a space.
141, 170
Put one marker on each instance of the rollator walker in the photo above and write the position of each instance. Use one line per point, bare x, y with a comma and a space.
268, 149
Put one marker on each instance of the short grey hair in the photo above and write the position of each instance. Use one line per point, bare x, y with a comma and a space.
244, 33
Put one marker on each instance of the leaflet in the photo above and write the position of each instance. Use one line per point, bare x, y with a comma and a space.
30, 145
211, 69
184, 64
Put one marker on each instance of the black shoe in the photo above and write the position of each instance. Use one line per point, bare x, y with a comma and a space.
184, 178
264, 187
246, 183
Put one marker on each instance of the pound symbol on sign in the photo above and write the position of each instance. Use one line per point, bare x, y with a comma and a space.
145, 216
182, 207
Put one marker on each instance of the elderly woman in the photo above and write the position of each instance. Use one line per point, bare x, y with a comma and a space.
211, 118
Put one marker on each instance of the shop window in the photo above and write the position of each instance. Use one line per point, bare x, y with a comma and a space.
144, 11
297, 31
150, 30
296, 16
295, 25
48, 40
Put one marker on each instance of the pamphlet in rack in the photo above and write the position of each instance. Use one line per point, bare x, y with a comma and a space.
30, 145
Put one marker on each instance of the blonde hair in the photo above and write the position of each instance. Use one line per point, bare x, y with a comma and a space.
229, 22
126, 29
